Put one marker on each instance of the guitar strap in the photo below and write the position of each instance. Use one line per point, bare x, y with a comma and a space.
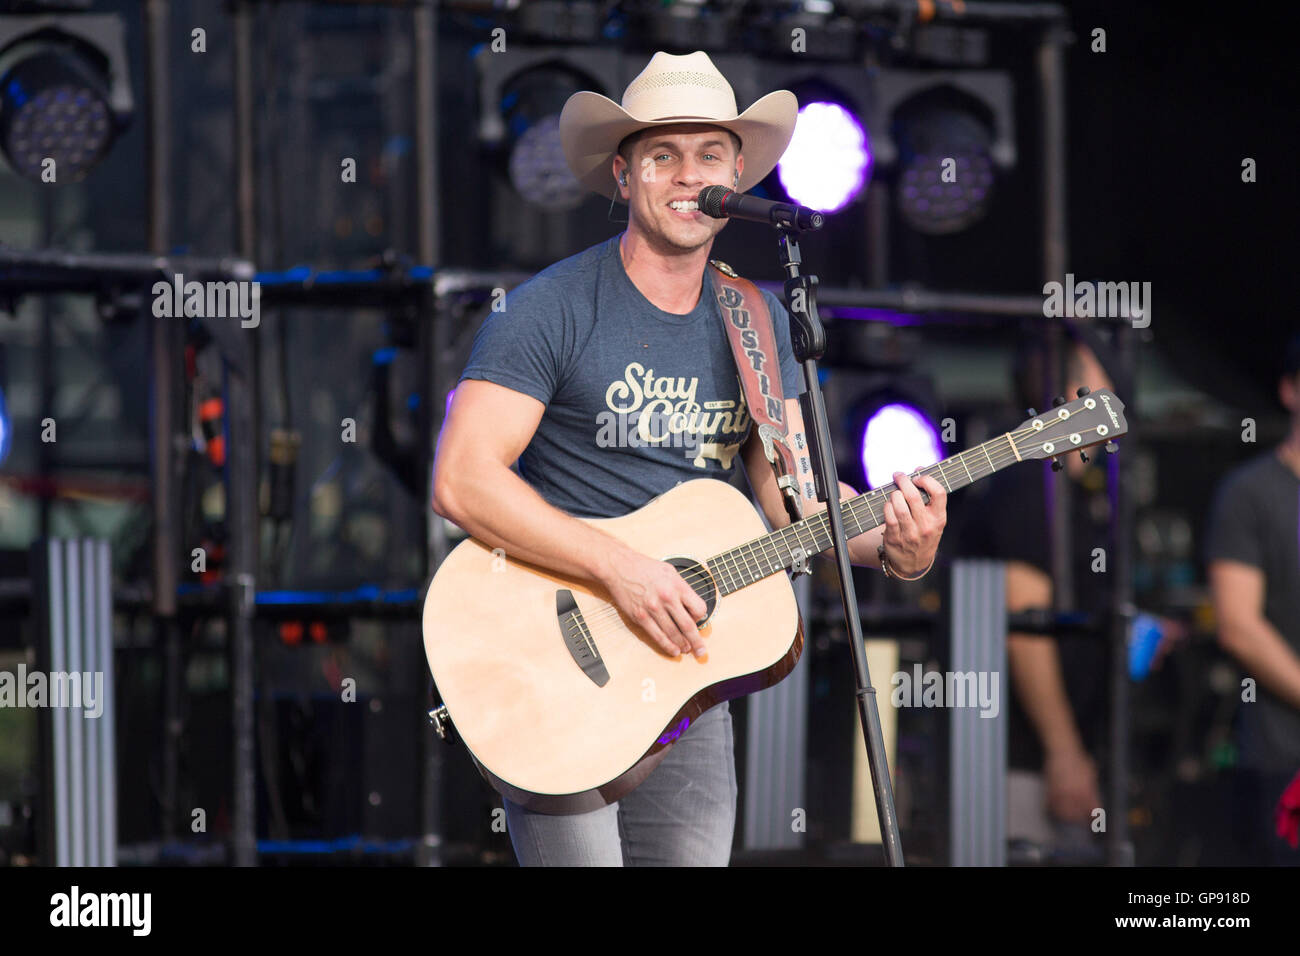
748, 322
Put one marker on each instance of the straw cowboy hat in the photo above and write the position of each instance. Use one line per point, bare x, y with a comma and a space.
673, 89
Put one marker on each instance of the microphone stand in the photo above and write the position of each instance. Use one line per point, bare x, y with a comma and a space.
808, 337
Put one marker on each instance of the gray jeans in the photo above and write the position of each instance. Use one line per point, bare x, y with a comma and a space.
683, 814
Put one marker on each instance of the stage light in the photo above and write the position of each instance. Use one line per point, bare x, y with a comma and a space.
946, 165
527, 127
64, 93
828, 161
897, 437
538, 170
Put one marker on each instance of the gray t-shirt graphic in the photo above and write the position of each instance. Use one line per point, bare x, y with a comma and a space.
637, 399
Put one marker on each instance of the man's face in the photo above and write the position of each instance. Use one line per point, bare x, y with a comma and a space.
669, 166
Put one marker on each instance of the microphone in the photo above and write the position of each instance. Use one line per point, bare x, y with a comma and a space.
723, 203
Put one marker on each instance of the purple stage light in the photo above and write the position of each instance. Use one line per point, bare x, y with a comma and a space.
897, 437
828, 161
673, 733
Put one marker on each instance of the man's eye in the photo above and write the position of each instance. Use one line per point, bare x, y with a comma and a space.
662, 156
711, 156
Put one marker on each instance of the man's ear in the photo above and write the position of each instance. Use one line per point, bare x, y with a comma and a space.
620, 169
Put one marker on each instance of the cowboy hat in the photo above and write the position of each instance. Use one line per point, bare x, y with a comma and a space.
673, 89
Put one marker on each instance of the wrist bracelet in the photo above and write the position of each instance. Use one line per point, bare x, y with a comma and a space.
891, 573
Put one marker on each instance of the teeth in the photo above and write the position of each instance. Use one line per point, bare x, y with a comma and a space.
689, 205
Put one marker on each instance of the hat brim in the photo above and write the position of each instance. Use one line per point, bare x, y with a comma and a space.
592, 126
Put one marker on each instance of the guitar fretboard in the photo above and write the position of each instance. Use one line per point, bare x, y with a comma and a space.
781, 550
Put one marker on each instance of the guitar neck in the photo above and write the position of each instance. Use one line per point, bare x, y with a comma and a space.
783, 549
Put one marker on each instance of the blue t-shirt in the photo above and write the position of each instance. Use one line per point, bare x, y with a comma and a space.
637, 399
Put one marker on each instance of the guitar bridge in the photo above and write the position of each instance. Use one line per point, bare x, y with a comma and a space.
577, 638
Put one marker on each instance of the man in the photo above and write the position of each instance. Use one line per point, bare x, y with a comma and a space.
631, 327
1057, 716
1253, 555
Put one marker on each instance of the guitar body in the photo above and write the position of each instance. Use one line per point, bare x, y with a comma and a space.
567, 706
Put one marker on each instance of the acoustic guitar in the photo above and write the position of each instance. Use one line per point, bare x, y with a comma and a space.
566, 705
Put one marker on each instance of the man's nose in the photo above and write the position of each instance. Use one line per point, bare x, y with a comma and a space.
689, 172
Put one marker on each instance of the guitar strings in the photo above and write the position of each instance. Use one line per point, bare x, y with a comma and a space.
611, 612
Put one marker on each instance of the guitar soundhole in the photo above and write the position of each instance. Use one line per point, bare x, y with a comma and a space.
701, 581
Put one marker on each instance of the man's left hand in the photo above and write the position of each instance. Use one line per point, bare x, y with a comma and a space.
913, 528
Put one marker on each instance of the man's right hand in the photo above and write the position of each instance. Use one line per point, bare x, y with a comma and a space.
653, 595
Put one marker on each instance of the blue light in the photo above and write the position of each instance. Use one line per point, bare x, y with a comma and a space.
366, 592
1144, 638
6, 430
16, 92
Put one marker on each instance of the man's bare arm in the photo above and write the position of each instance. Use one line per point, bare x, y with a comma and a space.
487, 429
1244, 632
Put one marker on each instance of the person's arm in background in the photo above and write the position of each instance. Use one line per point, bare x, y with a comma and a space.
1035, 663
1238, 593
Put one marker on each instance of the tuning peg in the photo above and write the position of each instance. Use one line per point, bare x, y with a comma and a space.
1059, 400
1111, 447
1057, 464
1032, 412
1084, 455
1083, 390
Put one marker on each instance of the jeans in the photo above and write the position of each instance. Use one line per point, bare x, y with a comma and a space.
683, 814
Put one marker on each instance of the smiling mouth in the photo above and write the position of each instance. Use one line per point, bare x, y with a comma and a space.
685, 205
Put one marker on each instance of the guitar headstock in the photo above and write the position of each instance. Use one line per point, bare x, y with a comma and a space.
1091, 419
